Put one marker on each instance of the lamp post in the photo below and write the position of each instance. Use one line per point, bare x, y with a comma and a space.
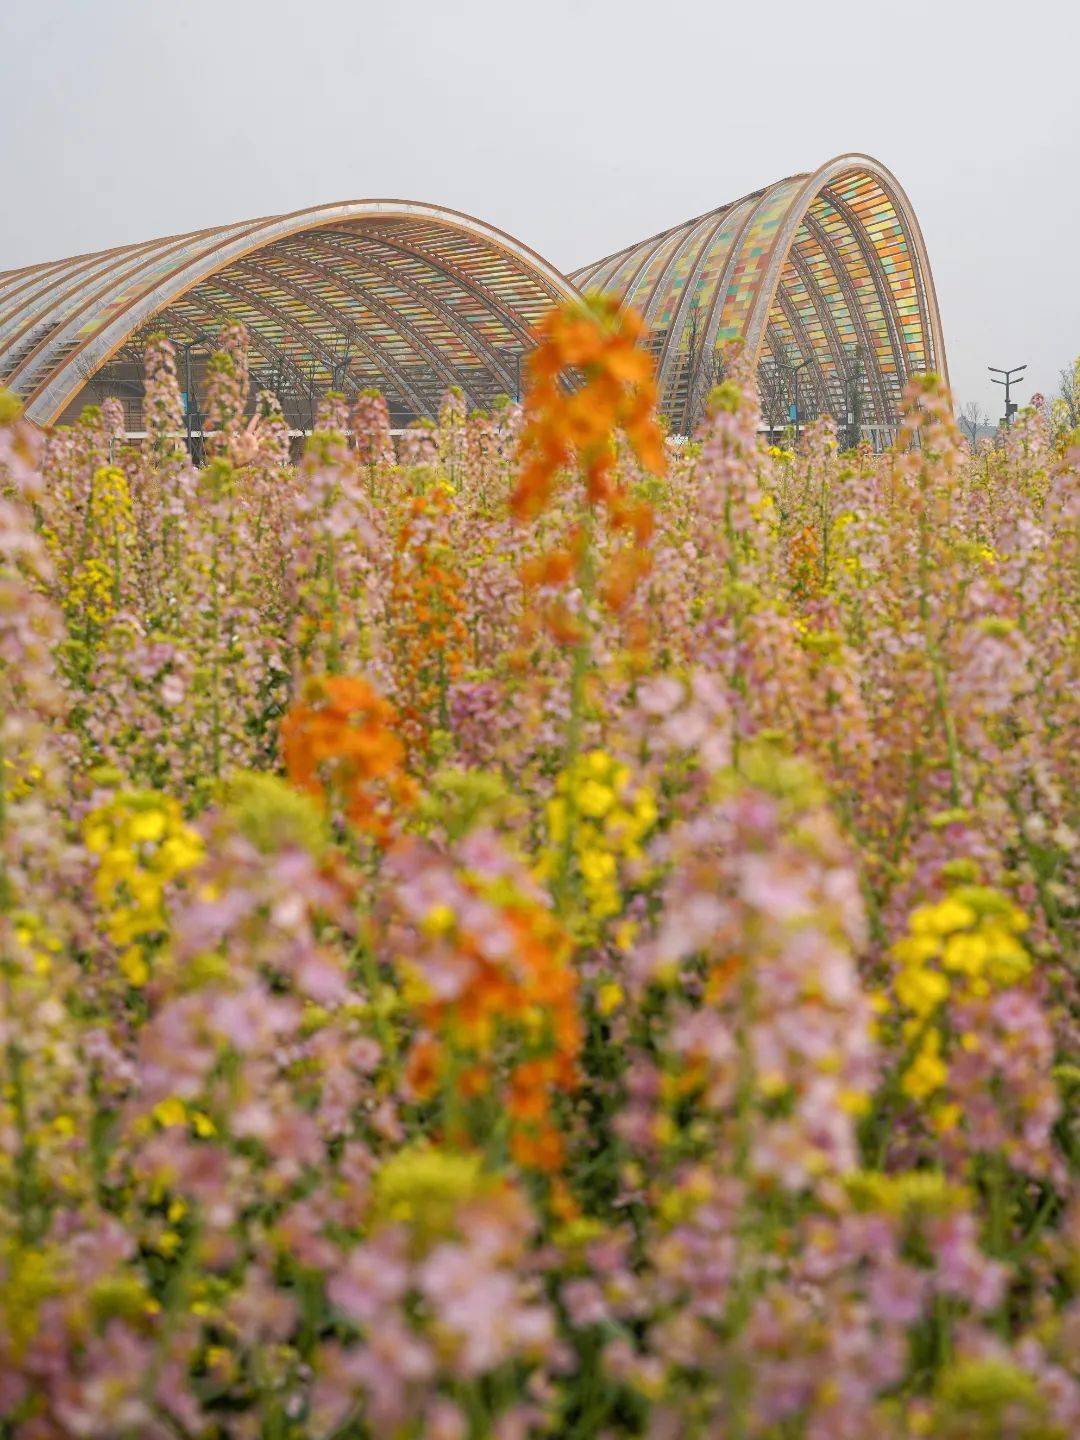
1008, 382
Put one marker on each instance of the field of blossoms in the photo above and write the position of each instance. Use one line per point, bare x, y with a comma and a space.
536, 930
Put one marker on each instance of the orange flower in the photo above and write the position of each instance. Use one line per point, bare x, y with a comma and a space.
595, 343
804, 567
526, 998
428, 633
338, 744
422, 1070
538, 1148
626, 568
589, 380
554, 568
562, 625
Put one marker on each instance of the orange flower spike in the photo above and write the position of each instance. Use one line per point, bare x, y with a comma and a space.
554, 568
564, 628
629, 364
599, 342
539, 1150
338, 741
635, 516
423, 1068
623, 573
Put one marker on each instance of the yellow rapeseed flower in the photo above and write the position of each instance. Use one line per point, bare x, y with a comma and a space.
927, 1072
439, 920
921, 990
594, 799
171, 1111
941, 919
609, 997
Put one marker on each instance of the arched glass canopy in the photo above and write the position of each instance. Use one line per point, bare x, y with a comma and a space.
408, 297
821, 278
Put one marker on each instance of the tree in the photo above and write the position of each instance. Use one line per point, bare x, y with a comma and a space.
772, 387
853, 395
972, 418
1065, 405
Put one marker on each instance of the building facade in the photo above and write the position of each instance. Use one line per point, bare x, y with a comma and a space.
821, 278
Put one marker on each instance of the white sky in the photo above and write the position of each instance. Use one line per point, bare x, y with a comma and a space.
577, 125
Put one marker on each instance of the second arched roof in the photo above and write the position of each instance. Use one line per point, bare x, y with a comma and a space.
828, 268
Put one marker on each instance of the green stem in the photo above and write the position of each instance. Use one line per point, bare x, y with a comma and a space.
26, 1178
1047, 901
384, 1030
215, 659
333, 659
937, 667
586, 578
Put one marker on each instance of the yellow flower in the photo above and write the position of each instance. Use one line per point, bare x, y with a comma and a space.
1007, 961
909, 1193
594, 799
439, 920
610, 820
964, 946
182, 851
556, 818
966, 953
943, 918
134, 966
142, 842
625, 934
147, 826
928, 1072
609, 997
645, 811
854, 1102
170, 1112
946, 1116
921, 990
424, 1186
597, 865
121, 1296
145, 889
664, 1129
772, 1083
599, 763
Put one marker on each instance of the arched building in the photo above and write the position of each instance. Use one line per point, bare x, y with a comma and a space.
411, 298
822, 277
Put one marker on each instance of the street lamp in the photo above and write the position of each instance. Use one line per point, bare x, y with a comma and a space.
1008, 382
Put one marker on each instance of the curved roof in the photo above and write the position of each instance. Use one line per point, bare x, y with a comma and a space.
827, 268
822, 277
407, 296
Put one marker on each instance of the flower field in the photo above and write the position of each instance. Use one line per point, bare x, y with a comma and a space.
535, 930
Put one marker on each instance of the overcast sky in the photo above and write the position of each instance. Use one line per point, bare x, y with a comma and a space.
578, 127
